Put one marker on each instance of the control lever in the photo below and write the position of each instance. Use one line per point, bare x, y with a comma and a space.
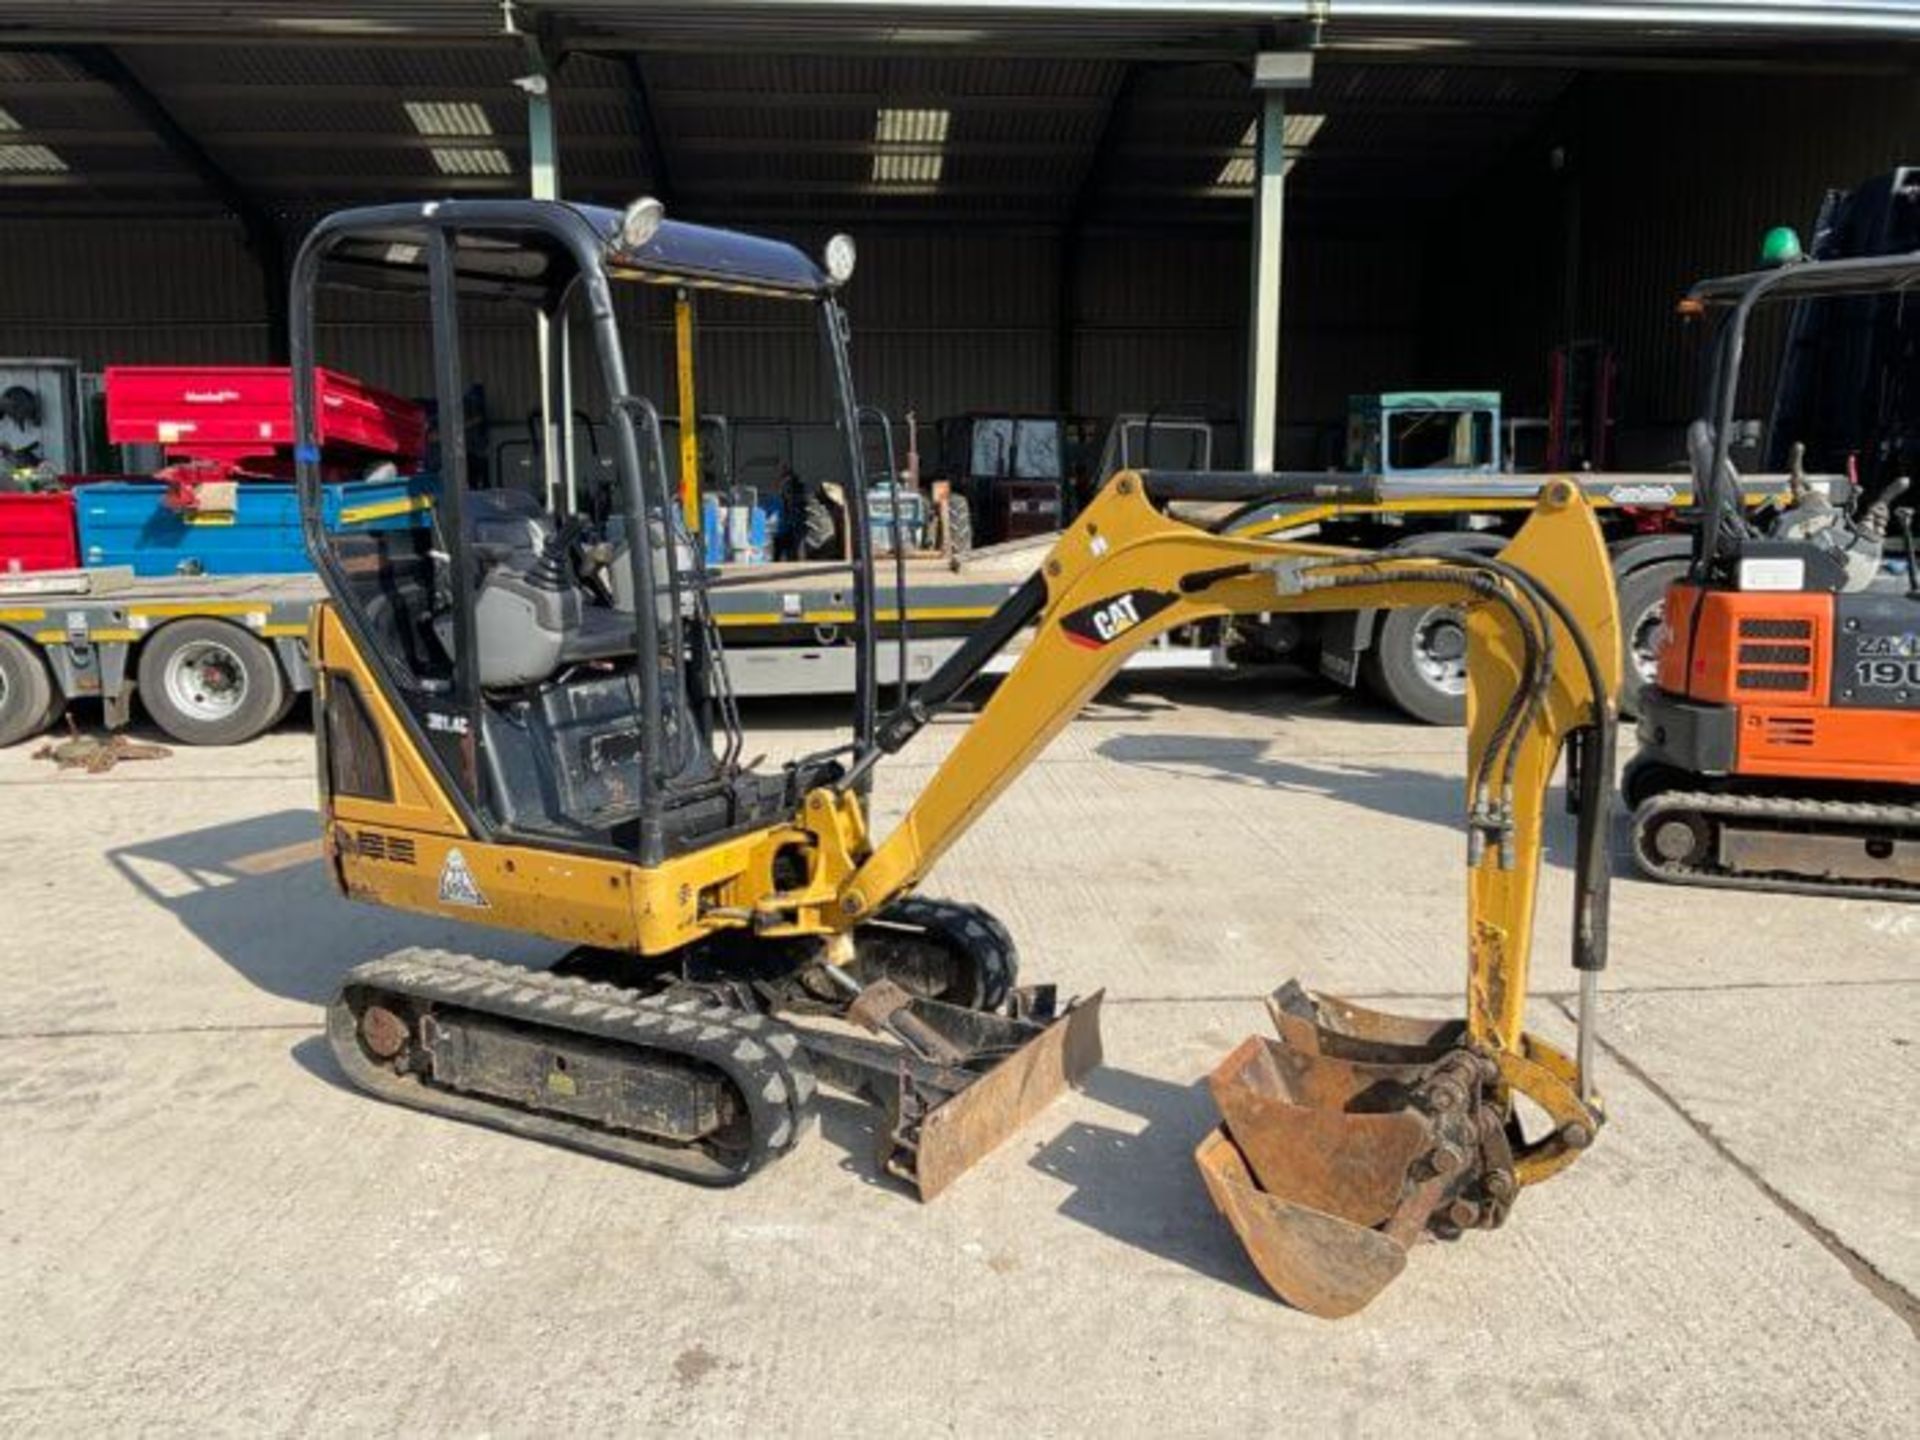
1904, 516
1873, 525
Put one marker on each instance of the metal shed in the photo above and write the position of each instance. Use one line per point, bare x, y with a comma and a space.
1056, 202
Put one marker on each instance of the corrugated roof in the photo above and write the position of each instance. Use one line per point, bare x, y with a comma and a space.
307, 107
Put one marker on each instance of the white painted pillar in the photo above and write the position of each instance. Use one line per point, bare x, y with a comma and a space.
1274, 74
556, 431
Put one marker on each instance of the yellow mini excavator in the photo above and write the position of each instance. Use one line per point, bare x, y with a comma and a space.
524, 719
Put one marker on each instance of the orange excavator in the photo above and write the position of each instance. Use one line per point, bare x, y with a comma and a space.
1780, 749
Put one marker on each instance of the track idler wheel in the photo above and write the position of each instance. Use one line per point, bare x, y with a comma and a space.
1346, 1140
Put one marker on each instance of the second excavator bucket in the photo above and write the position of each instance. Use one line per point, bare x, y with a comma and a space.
1346, 1140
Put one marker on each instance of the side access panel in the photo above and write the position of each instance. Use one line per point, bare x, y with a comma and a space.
1876, 652
1830, 743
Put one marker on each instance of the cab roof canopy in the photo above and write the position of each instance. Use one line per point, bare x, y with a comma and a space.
531, 250
1807, 279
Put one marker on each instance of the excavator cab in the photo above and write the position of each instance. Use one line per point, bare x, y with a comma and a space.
524, 719
551, 650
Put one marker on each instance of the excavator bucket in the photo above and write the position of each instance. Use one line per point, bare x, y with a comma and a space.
1346, 1140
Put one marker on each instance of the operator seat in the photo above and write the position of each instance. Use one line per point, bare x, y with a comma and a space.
563, 742
531, 617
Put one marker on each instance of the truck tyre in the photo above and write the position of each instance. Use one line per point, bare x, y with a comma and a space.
206, 682
1418, 659
1643, 611
1418, 663
28, 699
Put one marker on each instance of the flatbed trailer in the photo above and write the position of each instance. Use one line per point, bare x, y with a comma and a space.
67, 636
1416, 659
218, 659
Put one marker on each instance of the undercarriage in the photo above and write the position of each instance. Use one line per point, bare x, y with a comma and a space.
1800, 844
707, 1071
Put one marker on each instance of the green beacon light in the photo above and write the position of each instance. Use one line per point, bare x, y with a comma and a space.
1781, 247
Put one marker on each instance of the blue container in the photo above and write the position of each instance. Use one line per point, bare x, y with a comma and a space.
773, 514
129, 523
713, 530
397, 504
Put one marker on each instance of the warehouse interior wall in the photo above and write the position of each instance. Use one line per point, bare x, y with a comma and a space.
944, 321
1638, 185
1631, 187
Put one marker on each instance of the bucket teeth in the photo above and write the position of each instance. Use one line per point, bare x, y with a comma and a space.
1345, 1139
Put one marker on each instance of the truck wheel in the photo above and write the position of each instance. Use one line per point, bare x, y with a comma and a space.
1418, 662
1643, 614
206, 682
28, 699
287, 702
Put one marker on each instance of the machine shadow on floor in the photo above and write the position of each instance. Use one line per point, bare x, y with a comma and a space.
255, 893
1423, 795
313, 1055
1142, 1188
852, 1127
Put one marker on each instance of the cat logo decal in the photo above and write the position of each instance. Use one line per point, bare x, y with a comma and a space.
1104, 621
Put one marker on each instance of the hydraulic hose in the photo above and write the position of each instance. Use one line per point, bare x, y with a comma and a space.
1523, 704
1593, 876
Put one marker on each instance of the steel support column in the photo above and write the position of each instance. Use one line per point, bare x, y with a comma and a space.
543, 182
1274, 73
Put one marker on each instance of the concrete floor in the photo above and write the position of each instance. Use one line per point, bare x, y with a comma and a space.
202, 1230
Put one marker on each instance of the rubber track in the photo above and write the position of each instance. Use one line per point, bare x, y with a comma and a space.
975, 932
760, 1056
1818, 817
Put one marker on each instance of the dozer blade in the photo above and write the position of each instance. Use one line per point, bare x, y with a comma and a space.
1345, 1140
958, 1131
955, 1081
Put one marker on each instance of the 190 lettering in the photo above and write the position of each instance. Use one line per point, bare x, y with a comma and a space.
1887, 674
